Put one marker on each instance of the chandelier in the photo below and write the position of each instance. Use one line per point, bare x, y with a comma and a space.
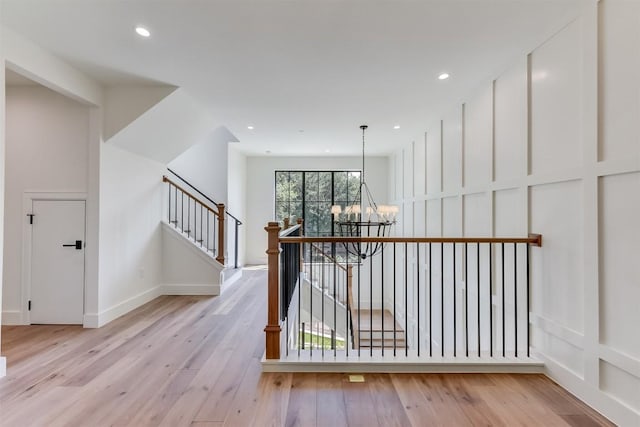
366, 220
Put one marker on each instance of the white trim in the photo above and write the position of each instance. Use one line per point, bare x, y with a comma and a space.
410, 364
172, 289
598, 400
552, 327
620, 360
28, 197
97, 320
91, 320
3, 366
122, 308
228, 277
11, 317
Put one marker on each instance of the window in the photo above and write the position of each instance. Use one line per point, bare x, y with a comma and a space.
310, 194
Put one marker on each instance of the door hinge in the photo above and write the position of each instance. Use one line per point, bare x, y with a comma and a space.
29, 306
31, 218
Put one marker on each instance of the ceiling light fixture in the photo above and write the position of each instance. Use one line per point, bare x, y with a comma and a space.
142, 31
396, 127
351, 221
443, 76
250, 127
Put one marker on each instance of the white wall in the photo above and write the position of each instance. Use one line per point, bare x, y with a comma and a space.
236, 202
205, 164
47, 150
25, 57
3, 362
131, 210
550, 147
261, 190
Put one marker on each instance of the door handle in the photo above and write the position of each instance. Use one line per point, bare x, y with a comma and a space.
77, 245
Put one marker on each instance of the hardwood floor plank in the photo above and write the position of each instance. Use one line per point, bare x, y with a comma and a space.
243, 407
195, 361
330, 404
561, 402
184, 410
359, 404
273, 399
444, 403
387, 404
156, 407
417, 409
302, 410
519, 393
216, 407
470, 401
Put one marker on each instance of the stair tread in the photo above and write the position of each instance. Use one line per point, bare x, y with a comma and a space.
371, 321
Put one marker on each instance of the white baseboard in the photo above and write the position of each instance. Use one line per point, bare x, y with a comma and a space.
190, 289
609, 407
11, 317
411, 364
3, 366
97, 320
91, 320
112, 313
229, 276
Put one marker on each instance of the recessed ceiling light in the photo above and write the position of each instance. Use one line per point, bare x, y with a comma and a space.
142, 31
443, 76
396, 127
250, 127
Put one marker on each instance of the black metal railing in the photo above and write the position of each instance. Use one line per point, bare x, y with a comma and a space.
289, 269
419, 297
198, 221
208, 201
329, 326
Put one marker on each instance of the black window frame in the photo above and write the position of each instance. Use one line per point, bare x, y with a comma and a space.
303, 197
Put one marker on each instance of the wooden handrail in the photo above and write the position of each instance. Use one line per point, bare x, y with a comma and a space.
238, 222
216, 213
533, 239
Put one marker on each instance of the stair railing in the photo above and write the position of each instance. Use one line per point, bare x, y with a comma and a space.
199, 222
206, 200
334, 278
420, 298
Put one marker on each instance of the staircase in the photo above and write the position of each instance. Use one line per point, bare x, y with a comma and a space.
370, 328
194, 236
376, 329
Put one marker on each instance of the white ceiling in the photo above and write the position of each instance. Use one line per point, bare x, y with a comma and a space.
304, 73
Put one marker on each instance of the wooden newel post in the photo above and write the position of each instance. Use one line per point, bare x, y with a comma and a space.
272, 330
220, 257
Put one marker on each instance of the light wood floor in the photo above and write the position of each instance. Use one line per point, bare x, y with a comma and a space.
181, 361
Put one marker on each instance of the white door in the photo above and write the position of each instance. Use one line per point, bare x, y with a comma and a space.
57, 261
